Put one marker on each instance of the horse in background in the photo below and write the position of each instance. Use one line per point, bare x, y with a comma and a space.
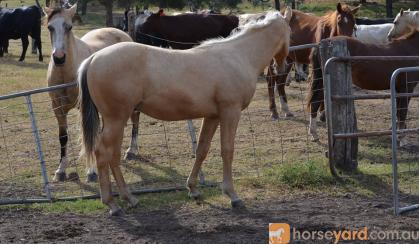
371, 75
68, 52
373, 34
367, 21
305, 29
181, 31
214, 81
19, 23
405, 23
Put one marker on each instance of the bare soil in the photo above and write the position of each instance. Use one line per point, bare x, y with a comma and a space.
206, 223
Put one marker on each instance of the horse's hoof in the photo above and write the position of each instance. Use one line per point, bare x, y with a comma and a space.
274, 117
73, 176
130, 156
289, 115
116, 212
238, 204
133, 202
60, 177
41, 59
314, 138
92, 177
195, 196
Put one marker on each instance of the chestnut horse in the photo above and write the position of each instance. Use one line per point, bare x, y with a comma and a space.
68, 52
214, 81
371, 75
305, 29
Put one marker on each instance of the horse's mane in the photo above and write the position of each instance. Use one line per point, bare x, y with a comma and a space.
54, 12
330, 20
243, 30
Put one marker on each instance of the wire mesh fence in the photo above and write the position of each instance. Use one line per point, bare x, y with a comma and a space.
165, 148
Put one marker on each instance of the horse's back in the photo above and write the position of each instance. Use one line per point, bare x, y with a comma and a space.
373, 34
103, 37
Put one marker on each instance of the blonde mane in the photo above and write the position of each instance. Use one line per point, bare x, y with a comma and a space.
240, 31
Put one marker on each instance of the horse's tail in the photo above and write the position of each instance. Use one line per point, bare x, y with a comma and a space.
89, 115
315, 94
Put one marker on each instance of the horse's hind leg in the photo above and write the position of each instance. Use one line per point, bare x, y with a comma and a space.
280, 86
229, 120
132, 151
270, 79
25, 44
34, 46
112, 140
208, 128
38, 44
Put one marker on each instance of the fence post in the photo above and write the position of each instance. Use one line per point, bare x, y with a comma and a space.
38, 146
341, 113
131, 24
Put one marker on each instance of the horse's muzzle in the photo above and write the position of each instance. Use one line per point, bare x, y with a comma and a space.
59, 61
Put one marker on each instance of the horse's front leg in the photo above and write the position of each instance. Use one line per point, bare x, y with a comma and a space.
270, 79
132, 151
208, 128
25, 44
61, 116
229, 120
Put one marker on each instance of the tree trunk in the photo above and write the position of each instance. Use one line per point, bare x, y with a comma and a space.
389, 8
83, 7
109, 15
293, 4
277, 5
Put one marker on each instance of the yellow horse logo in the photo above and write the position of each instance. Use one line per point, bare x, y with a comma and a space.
279, 233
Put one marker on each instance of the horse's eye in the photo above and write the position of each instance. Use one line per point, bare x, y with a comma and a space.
50, 28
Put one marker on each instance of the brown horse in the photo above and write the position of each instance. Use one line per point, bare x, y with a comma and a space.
371, 75
305, 29
68, 52
214, 81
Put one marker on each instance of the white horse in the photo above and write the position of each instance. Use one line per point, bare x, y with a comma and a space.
405, 23
372, 34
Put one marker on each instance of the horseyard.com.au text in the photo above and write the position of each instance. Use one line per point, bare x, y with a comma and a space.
281, 233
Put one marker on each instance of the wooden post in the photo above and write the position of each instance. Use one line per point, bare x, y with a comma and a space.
342, 152
131, 24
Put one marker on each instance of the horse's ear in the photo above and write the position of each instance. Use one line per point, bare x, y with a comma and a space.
339, 8
73, 10
161, 12
408, 10
355, 10
47, 10
288, 14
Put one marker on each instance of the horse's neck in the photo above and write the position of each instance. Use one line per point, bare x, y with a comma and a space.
258, 56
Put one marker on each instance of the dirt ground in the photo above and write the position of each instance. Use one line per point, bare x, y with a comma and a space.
206, 223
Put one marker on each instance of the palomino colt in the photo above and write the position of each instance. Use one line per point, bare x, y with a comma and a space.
371, 75
305, 29
68, 52
214, 81
405, 23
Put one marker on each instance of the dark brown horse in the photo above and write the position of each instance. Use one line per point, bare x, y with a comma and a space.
181, 31
371, 75
305, 29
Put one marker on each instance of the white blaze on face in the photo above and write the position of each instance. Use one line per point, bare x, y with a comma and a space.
57, 32
345, 19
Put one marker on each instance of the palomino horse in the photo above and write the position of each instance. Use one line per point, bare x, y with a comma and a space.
68, 52
214, 81
405, 23
371, 75
305, 29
